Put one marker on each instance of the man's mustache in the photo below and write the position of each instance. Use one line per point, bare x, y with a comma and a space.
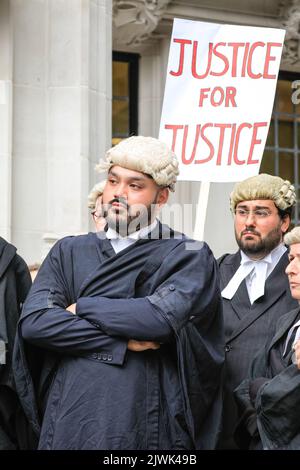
251, 230
119, 200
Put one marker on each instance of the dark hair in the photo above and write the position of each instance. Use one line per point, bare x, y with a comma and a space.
284, 212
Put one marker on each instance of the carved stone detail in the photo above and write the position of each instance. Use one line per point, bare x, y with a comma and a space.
291, 51
135, 20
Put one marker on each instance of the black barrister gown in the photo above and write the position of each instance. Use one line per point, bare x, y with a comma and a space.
269, 398
80, 386
15, 282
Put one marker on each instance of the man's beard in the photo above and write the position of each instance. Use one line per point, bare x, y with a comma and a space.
263, 246
128, 219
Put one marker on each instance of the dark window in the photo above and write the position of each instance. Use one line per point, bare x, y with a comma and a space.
282, 151
125, 96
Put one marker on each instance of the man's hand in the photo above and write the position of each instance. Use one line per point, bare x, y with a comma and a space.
97, 214
139, 346
72, 309
297, 353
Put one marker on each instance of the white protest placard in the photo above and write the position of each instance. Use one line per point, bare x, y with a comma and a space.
219, 94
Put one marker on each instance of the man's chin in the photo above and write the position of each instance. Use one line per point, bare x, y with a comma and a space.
116, 221
118, 212
250, 245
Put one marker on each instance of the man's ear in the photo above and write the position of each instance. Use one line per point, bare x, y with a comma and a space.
286, 221
162, 197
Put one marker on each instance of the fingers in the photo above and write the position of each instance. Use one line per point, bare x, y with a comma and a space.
138, 346
153, 345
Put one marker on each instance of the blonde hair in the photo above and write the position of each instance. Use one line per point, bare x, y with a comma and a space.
292, 237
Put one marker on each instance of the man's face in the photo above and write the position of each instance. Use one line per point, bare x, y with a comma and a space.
258, 227
130, 199
293, 270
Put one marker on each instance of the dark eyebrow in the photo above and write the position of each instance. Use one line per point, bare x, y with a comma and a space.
244, 206
111, 173
132, 178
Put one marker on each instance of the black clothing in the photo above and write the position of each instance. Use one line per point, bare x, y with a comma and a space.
246, 329
269, 398
15, 283
94, 393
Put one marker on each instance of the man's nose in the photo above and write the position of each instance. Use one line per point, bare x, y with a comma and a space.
121, 191
290, 269
250, 219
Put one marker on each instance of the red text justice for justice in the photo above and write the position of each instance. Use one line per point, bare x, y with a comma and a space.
204, 149
236, 59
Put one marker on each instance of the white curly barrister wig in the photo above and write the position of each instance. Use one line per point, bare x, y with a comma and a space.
264, 186
147, 155
292, 237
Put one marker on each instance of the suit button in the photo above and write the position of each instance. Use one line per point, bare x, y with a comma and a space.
109, 357
104, 357
227, 348
171, 287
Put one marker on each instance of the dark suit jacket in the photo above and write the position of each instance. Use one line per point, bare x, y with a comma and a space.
247, 327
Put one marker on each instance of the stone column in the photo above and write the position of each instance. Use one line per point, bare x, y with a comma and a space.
5, 120
62, 117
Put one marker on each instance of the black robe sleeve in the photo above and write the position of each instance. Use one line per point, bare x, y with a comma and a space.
187, 290
185, 306
46, 323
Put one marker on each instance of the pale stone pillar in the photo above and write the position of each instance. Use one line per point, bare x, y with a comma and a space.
61, 115
5, 120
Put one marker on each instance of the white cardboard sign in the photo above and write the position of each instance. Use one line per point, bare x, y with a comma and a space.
219, 94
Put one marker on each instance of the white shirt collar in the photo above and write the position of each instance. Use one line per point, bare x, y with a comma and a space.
255, 273
111, 234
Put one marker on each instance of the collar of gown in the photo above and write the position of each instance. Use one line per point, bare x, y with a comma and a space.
142, 233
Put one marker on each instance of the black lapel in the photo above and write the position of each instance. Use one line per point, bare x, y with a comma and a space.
109, 266
7, 253
287, 321
241, 302
228, 267
105, 249
275, 287
133, 257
